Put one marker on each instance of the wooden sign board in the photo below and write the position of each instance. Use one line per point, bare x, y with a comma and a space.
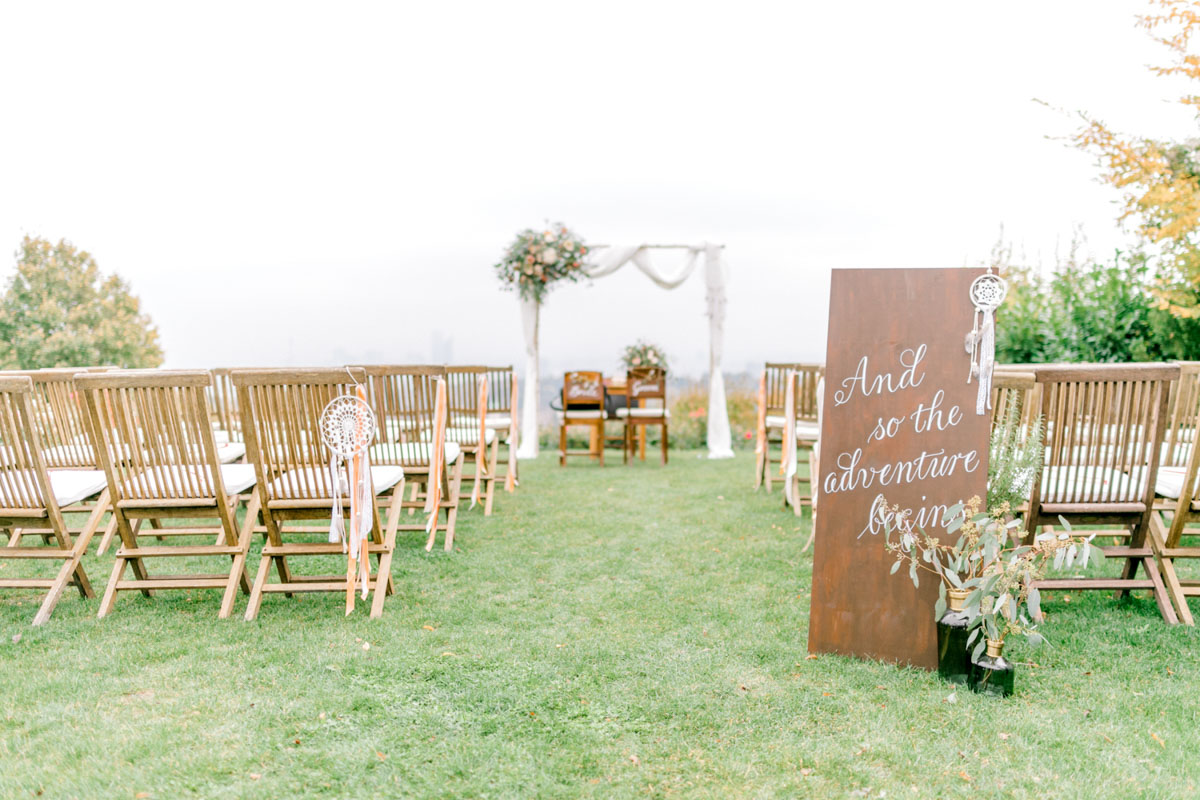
899, 423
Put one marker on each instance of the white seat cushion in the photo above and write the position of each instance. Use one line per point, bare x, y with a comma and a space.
383, 477
469, 435
498, 421
237, 477
1082, 484
581, 415
228, 452
807, 431
72, 485
221, 437
411, 452
648, 413
1170, 482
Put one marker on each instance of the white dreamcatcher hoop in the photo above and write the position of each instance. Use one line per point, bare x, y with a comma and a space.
347, 429
347, 425
987, 293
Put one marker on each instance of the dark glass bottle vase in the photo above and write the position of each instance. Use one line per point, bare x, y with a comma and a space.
991, 674
954, 659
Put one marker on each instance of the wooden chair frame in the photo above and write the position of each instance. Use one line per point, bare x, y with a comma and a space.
281, 412
776, 376
153, 432
468, 427
502, 417
1105, 426
403, 400
641, 384
27, 497
582, 388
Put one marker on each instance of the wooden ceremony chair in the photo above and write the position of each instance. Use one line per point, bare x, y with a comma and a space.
808, 428
1105, 426
645, 384
412, 434
502, 417
33, 495
1177, 488
281, 413
583, 405
153, 432
468, 428
776, 386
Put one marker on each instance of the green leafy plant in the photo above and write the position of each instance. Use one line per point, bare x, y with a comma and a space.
1014, 459
538, 259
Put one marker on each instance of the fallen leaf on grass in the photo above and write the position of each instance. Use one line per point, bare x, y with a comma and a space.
427, 627
447, 653
1158, 739
951, 698
810, 658
963, 774
1005, 735
254, 776
16, 639
637, 762
380, 756
806, 772
142, 795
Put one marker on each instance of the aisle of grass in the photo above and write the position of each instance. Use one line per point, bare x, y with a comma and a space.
607, 633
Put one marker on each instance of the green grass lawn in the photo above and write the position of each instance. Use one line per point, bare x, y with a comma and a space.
616, 632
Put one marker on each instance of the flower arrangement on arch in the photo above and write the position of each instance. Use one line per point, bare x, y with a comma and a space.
644, 354
537, 259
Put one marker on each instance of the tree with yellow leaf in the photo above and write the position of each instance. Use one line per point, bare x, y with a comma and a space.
60, 311
1160, 181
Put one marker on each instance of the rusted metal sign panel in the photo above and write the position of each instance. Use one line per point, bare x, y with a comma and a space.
899, 423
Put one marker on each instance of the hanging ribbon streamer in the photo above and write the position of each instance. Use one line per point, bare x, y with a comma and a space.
437, 463
481, 465
510, 480
787, 465
760, 433
987, 293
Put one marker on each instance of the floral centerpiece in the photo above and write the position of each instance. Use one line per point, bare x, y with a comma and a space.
537, 259
643, 354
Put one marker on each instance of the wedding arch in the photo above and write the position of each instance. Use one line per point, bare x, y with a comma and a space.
607, 259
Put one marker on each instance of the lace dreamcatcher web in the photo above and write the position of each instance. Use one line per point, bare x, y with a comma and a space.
987, 293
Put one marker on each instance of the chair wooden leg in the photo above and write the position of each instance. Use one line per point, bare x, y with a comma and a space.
1166, 567
664, 444
383, 575
110, 591
562, 445
491, 481
237, 571
625, 443
600, 440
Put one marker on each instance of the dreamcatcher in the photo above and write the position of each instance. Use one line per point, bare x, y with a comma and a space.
987, 293
347, 428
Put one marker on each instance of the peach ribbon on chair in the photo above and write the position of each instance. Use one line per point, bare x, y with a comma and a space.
760, 433
362, 513
437, 462
787, 465
510, 480
481, 465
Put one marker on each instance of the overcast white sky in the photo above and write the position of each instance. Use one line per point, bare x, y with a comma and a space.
301, 184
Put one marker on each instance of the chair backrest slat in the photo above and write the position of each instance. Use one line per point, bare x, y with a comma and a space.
402, 398
499, 390
24, 483
807, 378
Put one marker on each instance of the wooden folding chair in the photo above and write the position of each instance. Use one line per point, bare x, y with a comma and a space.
808, 429
502, 417
1105, 426
281, 413
153, 433
412, 434
34, 496
583, 405
1178, 491
467, 389
60, 420
775, 376
645, 385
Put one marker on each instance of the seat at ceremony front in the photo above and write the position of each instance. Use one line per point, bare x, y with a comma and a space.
468, 388
502, 417
411, 433
153, 432
281, 420
32, 495
583, 406
1178, 489
1105, 426
646, 390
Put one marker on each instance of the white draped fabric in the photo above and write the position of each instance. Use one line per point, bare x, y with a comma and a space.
606, 261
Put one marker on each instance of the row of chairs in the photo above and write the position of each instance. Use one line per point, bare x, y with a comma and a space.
150, 447
1119, 454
